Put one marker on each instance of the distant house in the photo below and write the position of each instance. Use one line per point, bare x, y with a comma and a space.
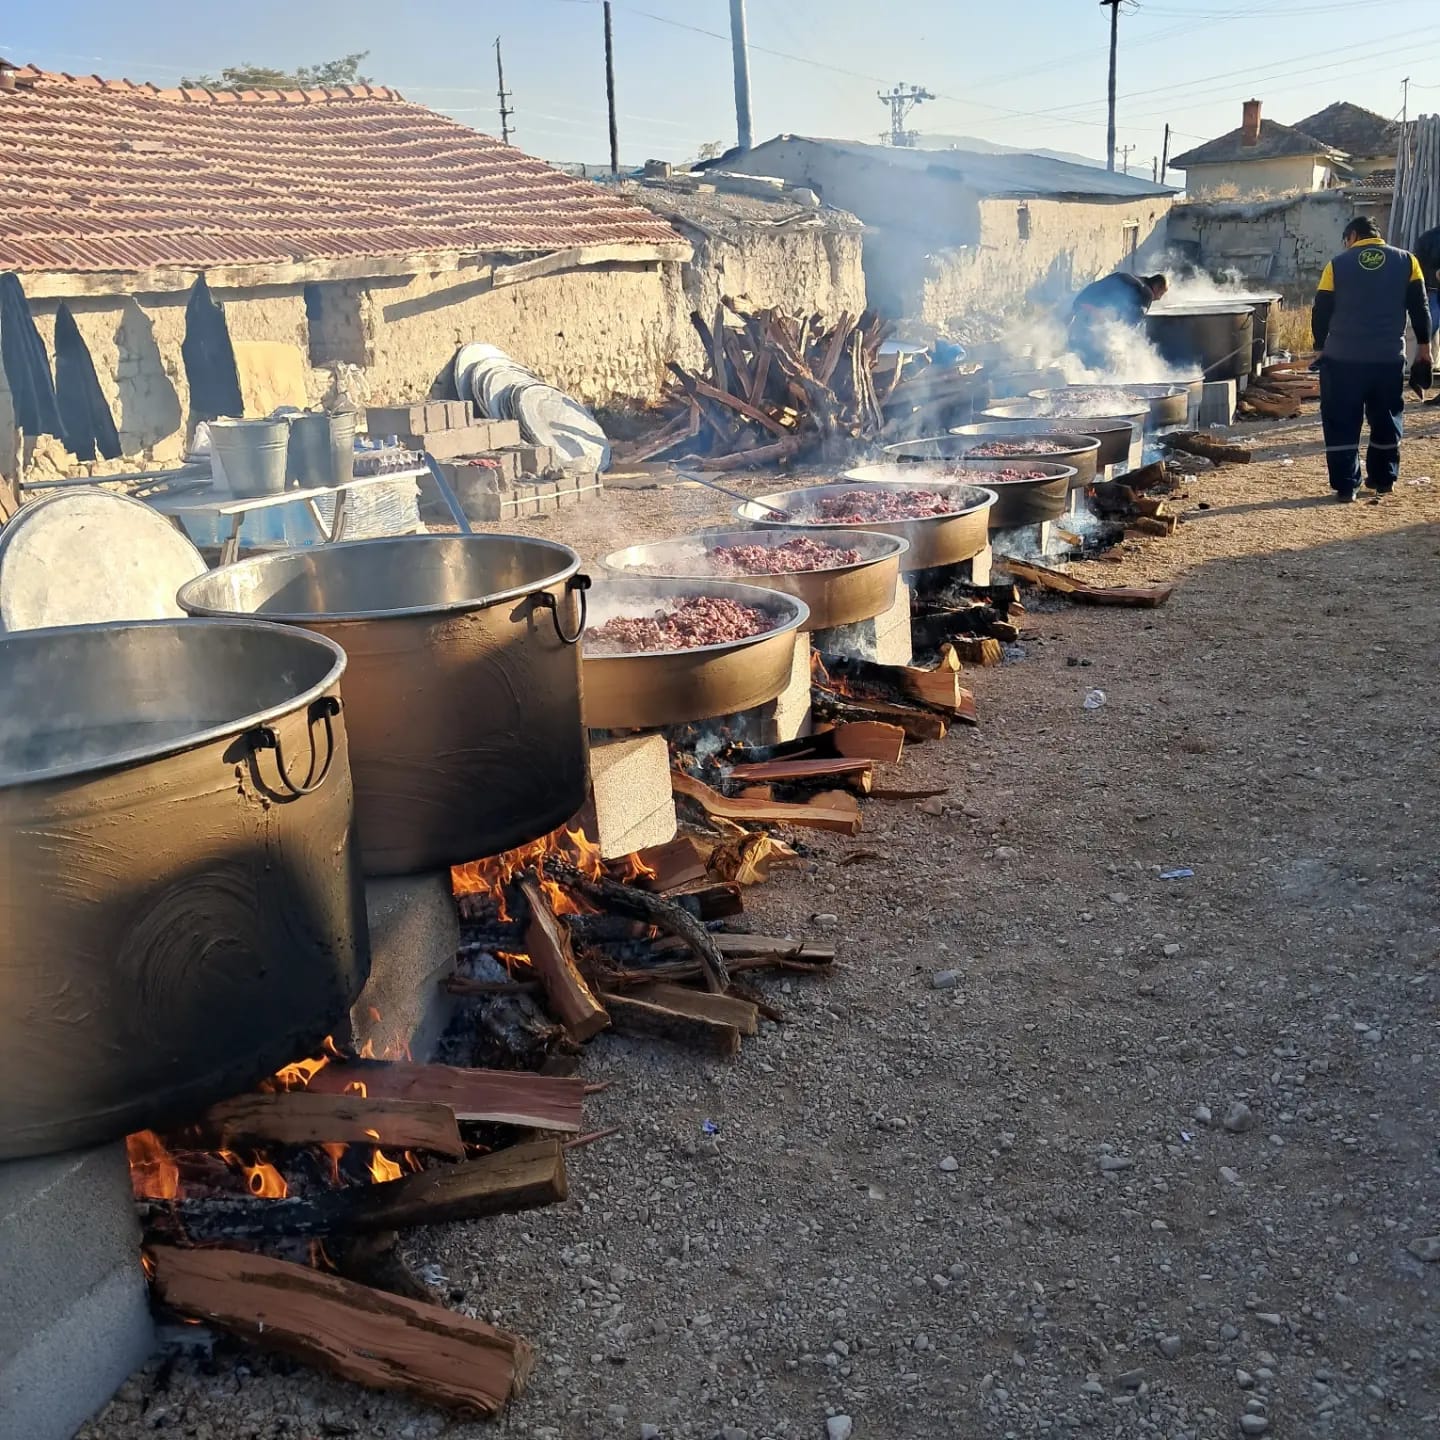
952, 232
1368, 141
347, 224
1262, 158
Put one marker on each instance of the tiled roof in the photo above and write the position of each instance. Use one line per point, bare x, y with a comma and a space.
1352, 128
1276, 141
110, 175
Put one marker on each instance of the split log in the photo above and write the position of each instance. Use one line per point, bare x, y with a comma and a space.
509, 1016
384, 1342
775, 947
978, 649
642, 1017
547, 943
303, 1117
1192, 442
870, 740
714, 902
1163, 525
1145, 597
859, 774
764, 812
375, 1260
938, 689
523, 1177
504, 1097
675, 864
722, 1009
617, 899
760, 455
681, 970
917, 724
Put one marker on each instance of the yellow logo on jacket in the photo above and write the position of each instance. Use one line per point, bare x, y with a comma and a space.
1372, 257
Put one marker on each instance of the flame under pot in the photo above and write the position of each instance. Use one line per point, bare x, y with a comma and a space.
181, 905
463, 688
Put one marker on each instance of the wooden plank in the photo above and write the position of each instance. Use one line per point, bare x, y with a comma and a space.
641, 1017
504, 1097
859, 773
380, 1341
918, 724
774, 812
522, 1177
725, 1009
1134, 596
676, 863
760, 455
580, 257
303, 1117
547, 943
778, 947
732, 402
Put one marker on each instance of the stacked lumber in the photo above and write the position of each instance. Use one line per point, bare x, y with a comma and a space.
1417, 181
775, 388
1279, 392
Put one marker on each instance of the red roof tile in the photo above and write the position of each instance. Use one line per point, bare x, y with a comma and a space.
110, 175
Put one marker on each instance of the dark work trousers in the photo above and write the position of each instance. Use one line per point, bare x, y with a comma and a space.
1351, 393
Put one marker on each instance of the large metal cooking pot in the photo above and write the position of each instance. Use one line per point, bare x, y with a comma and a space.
1166, 404
463, 692
181, 908
1059, 448
840, 595
1039, 494
934, 540
645, 689
1114, 437
1217, 338
1115, 444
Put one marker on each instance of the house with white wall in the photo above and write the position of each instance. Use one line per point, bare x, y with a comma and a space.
1260, 159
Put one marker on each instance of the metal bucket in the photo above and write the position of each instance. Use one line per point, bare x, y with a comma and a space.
252, 454
463, 687
181, 908
322, 449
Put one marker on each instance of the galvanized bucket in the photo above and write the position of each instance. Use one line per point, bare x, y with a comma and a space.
252, 454
322, 449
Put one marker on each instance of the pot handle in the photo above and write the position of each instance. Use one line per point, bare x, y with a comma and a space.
546, 600
265, 737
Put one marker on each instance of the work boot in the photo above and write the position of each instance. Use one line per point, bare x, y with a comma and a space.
1345, 497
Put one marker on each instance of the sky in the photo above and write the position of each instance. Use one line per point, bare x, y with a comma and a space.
1030, 73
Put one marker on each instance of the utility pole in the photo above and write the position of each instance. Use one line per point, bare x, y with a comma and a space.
1114, 44
505, 111
1125, 151
610, 90
1165, 155
1154, 169
740, 44
1404, 102
902, 100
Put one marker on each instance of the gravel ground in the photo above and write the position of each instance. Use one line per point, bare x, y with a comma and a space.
1063, 1147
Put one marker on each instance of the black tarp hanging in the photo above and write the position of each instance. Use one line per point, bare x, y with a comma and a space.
85, 414
26, 363
209, 357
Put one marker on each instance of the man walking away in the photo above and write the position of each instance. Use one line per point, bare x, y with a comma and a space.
1120, 299
1427, 252
1358, 321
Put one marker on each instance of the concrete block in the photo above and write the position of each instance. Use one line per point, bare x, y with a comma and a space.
631, 804
417, 419
472, 439
1217, 404
787, 716
885, 638
76, 1321
414, 933
530, 459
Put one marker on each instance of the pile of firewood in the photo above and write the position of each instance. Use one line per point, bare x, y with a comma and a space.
775, 388
1279, 391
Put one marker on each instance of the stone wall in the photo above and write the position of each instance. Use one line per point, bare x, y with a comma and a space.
1039, 251
1285, 243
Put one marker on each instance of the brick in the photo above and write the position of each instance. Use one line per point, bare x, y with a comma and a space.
458, 414
396, 419
504, 433
631, 804
885, 638
787, 716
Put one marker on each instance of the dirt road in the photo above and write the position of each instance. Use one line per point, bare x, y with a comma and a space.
1065, 1147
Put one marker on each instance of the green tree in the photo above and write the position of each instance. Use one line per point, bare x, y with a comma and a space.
344, 71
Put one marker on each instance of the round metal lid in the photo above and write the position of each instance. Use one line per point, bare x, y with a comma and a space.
550, 417
90, 557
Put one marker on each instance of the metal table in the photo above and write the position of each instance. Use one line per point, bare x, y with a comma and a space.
235, 509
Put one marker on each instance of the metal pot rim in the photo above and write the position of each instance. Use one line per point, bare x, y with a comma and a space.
193, 740
890, 547
987, 465
982, 434
779, 497
1145, 389
754, 595
449, 607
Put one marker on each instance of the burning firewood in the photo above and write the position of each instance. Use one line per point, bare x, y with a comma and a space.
548, 946
303, 1117
384, 1342
767, 812
522, 1177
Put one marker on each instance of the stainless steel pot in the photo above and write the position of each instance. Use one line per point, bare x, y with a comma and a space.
1040, 495
1115, 443
463, 691
645, 689
1061, 447
1218, 338
934, 539
181, 908
840, 595
1166, 404
1114, 437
